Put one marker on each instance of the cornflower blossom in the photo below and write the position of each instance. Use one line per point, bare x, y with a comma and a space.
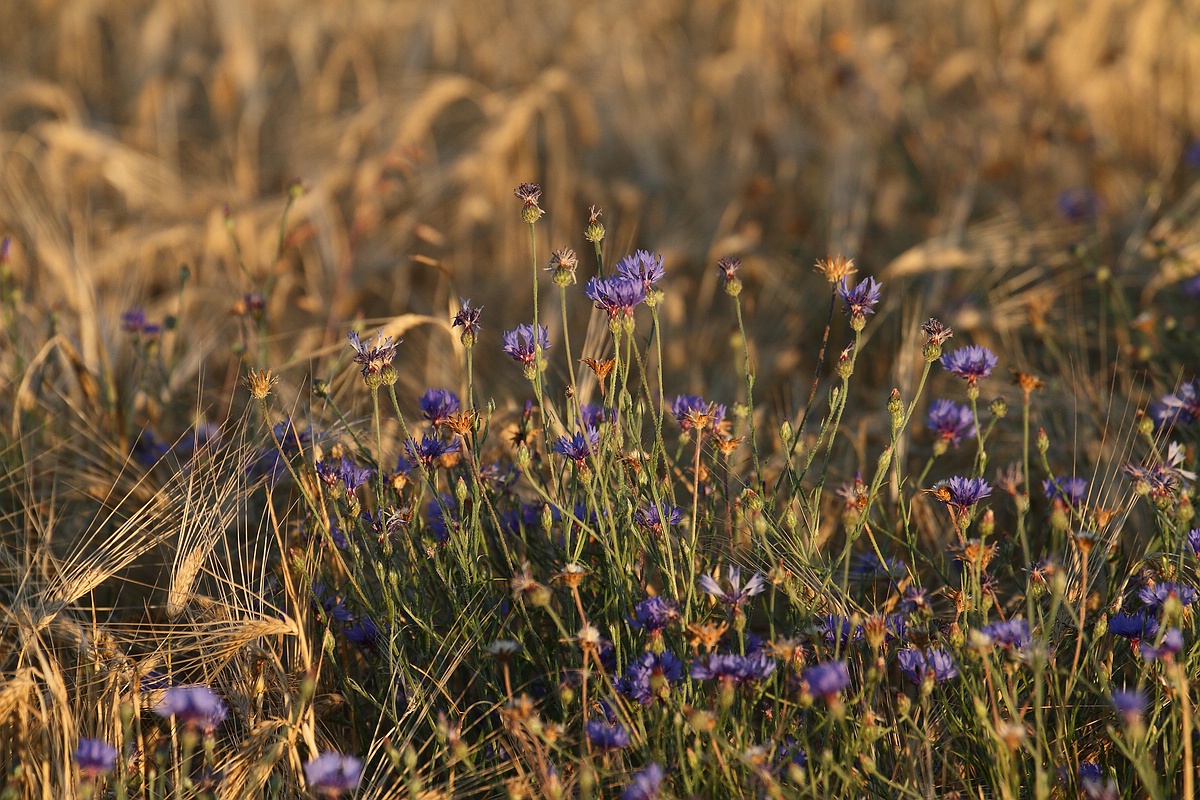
363, 633
916, 598
578, 447
970, 363
1170, 646
374, 358
728, 267
950, 422
646, 784
685, 409
1161, 479
95, 757
1078, 204
1072, 491
654, 614
651, 519
595, 416
962, 493
1155, 596
836, 629
331, 774
1130, 704
642, 266
936, 662
826, 680
467, 318
1133, 626
733, 668
1009, 634
197, 707
617, 296
437, 405
738, 595
429, 450
861, 299
651, 676
520, 346
607, 737
344, 472
1193, 540
867, 566
133, 320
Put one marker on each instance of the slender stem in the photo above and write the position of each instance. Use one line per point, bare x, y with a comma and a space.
737, 301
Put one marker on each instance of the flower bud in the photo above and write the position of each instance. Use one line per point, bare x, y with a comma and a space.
594, 232
999, 408
1043, 441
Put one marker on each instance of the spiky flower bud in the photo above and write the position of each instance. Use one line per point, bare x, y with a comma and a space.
999, 408
594, 232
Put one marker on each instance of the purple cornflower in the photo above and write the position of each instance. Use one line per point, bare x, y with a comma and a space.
1071, 491
1129, 703
916, 665
728, 268
1154, 596
519, 343
686, 408
970, 363
642, 266
868, 567
344, 472
738, 595
133, 320
862, 298
1078, 204
363, 633
1133, 626
1181, 407
331, 774
733, 668
95, 757
607, 737
650, 676
835, 629
372, 359
654, 613
617, 295
1193, 540
594, 416
467, 318
429, 450
962, 493
1171, 646
437, 405
1013, 633
951, 422
645, 784
578, 447
651, 519
826, 680
197, 707
916, 598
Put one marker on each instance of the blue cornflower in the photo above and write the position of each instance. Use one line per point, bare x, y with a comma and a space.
916, 665
733, 668
654, 613
1129, 703
642, 266
1071, 491
1193, 540
970, 363
617, 295
645, 784
437, 405
197, 707
789, 753
738, 595
332, 774
467, 318
429, 450
651, 676
519, 343
651, 519
1171, 646
962, 493
343, 471
862, 298
607, 737
95, 757
372, 359
578, 447
363, 633
687, 408
442, 517
951, 422
868, 566
1181, 407
916, 598
133, 320
594, 416
1154, 596
1013, 633
1078, 204
826, 680
835, 628
1133, 626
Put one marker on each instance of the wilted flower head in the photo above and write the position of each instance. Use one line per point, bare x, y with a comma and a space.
970, 363
950, 422
197, 707
728, 268
617, 295
737, 595
519, 343
95, 757
642, 266
860, 299
529, 194
563, 263
826, 680
607, 737
687, 408
372, 359
437, 405
645, 784
836, 269
468, 319
331, 774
